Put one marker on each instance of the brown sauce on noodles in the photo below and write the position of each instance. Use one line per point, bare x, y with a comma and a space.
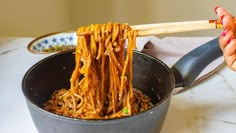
105, 90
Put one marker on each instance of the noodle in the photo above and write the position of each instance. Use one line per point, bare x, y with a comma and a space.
101, 83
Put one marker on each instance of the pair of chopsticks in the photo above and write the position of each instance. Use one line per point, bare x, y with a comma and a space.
175, 27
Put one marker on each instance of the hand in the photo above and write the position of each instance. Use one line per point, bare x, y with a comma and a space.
227, 40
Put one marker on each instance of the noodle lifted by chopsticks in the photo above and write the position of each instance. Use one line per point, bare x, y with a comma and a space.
101, 83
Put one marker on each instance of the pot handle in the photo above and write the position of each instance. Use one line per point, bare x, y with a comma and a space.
187, 69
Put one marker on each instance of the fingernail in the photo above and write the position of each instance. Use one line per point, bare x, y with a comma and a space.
221, 19
230, 39
216, 9
223, 34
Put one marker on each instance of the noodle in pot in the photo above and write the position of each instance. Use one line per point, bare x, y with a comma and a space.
101, 83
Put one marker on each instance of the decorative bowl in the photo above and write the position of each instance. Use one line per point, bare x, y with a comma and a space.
53, 42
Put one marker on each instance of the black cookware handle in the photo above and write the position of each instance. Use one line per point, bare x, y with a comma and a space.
187, 69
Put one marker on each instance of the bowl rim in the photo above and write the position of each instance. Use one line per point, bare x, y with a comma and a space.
44, 36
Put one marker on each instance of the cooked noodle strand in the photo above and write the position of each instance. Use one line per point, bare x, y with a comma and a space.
101, 83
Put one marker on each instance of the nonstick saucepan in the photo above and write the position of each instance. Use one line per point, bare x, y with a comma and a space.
151, 76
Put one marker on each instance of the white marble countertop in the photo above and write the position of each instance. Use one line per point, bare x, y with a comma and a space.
208, 107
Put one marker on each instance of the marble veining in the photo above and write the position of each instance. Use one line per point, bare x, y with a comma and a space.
227, 83
5, 52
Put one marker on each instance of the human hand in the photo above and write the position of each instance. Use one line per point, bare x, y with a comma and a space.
227, 40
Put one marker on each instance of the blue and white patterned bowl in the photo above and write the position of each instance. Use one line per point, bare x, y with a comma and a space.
53, 42
61, 41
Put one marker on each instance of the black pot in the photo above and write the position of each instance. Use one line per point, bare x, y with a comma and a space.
151, 76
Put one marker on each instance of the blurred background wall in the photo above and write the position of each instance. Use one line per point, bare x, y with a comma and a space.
37, 17
33, 17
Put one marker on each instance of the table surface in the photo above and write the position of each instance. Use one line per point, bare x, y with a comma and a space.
208, 107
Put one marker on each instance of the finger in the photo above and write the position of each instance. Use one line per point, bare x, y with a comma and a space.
226, 18
225, 37
221, 11
230, 48
228, 22
230, 53
231, 61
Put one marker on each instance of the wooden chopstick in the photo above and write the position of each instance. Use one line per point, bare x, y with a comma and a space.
175, 27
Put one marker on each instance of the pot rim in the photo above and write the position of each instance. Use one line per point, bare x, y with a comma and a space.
101, 121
